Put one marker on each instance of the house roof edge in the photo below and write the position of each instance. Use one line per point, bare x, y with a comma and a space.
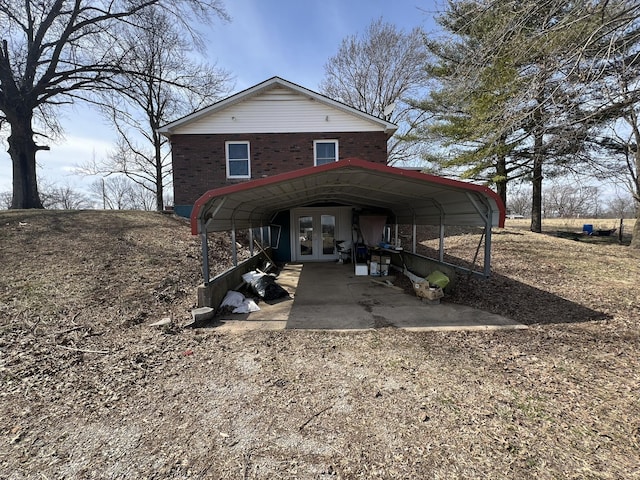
169, 128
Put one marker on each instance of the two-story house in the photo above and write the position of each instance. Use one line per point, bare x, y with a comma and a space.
280, 154
271, 128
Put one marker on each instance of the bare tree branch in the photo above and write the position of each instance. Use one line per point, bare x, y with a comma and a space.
58, 51
377, 70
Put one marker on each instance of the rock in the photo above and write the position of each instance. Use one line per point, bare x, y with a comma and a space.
202, 314
162, 322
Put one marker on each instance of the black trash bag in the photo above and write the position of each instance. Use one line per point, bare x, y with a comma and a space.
267, 288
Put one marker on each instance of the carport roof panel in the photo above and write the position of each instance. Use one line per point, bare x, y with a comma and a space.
412, 196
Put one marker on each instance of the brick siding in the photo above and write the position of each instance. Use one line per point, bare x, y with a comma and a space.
199, 161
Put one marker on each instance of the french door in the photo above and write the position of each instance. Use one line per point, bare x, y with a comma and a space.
315, 236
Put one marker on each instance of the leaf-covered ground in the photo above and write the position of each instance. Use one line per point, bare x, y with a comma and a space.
89, 390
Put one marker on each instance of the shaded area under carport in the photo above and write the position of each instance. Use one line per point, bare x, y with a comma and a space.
329, 296
405, 197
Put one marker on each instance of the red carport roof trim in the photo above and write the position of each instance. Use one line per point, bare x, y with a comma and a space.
348, 162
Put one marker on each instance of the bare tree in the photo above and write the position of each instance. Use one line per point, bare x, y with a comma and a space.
570, 200
63, 197
621, 206
377, 71
142, 198
118, 192
617, 142
162, 83
519, 201
5, 200
113, 192
56, 52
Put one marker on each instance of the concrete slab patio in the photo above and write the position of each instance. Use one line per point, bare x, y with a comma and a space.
329, 296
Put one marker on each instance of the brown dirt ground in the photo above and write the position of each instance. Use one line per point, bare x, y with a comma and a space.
89, 390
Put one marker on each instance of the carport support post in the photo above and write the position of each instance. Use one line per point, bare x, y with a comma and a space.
234, 248
487, 246
205, 254
486, 216
441, 248
251, 241
414, 235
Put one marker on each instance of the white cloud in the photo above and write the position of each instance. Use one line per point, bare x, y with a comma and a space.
58, 165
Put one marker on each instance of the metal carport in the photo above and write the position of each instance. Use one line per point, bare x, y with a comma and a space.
414, 198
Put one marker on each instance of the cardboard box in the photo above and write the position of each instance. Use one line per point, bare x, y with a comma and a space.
375, 258
385, 260
361, 269
423, 290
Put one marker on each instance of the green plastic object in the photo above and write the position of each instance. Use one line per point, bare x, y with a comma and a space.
438, 279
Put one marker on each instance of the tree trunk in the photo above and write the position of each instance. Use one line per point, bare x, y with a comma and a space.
501, 182
635, 174
159, 182
635, 235
22, 149
536, 182
159, 199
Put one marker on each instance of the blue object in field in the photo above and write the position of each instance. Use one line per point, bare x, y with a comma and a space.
588, 229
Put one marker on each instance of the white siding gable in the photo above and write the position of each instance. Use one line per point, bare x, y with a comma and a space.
279, 110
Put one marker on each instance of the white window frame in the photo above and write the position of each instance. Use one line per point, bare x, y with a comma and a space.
226, 151
315, 151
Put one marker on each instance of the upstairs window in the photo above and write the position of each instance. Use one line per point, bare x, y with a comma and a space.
238, 163
325, 151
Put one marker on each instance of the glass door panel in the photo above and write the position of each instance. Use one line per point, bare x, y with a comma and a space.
314, 235
328, 227
305, 234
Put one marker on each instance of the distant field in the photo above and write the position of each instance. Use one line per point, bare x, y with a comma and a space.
570, 224
573, 226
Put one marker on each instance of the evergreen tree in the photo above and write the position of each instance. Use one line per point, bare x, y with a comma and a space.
512, 74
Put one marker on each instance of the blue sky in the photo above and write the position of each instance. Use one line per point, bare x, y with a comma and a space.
292, 39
